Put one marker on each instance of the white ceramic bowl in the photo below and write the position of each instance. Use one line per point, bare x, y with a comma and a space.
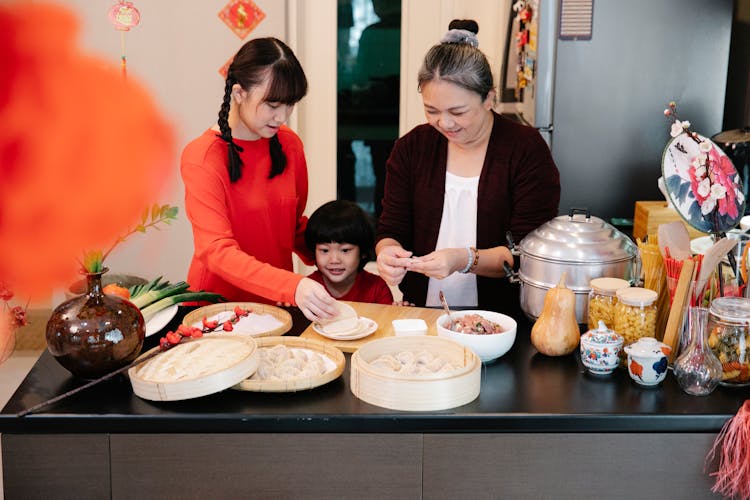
488, 347
409, 327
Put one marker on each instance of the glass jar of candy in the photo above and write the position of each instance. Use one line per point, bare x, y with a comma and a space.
602, 300
729, 338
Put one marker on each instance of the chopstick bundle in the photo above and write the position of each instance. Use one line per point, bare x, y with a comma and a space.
677, 310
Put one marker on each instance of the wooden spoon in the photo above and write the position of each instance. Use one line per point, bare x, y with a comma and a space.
674, 235
711, 259
445, 306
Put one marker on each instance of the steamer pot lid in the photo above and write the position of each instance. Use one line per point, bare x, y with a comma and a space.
578, 237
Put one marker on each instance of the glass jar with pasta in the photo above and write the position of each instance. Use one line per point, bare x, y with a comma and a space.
729, 338
635, 313
602, 299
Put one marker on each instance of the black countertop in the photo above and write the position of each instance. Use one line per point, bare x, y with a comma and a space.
523, 391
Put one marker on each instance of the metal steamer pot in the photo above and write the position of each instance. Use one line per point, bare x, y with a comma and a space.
584, 247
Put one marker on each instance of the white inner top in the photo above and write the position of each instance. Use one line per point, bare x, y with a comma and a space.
458, 229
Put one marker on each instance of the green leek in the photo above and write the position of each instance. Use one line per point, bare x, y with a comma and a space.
154, 294
155, 307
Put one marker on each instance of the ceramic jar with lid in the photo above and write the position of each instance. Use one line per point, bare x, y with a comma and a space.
647, 361
600, 350
635, 313
602, 299
729, 338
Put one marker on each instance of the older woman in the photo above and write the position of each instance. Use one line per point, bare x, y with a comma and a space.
456, 185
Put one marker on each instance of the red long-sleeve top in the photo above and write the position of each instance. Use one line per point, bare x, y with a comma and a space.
244, 233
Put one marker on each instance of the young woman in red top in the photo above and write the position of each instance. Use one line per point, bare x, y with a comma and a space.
246, 187
342, 240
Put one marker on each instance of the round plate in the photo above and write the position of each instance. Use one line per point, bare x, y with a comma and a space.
701, 244
723, 206
264, 320
160, 319
365, 327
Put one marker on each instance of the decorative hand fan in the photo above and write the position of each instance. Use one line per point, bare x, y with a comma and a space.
701, 180
706, 190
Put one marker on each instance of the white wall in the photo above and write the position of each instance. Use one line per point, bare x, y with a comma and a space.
423, 22
176, 52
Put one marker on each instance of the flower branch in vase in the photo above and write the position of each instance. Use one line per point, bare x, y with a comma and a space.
93, 260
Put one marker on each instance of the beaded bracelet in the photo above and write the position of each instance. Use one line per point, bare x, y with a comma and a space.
475, 263
469, 261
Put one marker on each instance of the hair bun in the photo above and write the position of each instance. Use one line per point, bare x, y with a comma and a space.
464, 24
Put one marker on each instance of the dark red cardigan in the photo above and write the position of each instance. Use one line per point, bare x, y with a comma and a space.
519, 189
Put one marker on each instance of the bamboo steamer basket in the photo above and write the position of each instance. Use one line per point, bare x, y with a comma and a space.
195, 368
297, 384
283, 316
429, 392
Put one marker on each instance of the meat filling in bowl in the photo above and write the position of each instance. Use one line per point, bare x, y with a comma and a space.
475, 324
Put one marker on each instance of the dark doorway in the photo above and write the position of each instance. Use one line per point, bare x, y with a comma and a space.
368, 55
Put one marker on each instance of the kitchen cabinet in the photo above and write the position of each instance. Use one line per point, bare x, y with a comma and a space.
540, 428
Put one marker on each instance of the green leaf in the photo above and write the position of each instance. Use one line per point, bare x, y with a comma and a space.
155, 212
144, 216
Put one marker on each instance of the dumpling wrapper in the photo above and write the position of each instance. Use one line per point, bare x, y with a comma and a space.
345, 321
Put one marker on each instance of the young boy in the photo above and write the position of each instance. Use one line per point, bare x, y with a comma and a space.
342, 241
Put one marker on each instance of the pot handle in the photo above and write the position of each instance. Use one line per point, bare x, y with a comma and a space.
511, 244
510, 273
574, 210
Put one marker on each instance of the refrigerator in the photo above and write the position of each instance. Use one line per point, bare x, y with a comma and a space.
599, 100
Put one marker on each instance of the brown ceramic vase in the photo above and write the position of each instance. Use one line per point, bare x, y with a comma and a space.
95, 333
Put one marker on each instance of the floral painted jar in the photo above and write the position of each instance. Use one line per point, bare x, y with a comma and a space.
647, 361
600, 350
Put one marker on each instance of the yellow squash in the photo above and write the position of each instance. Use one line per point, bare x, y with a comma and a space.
556, 332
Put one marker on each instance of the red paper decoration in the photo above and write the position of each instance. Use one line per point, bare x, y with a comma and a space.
242, 16
225, 69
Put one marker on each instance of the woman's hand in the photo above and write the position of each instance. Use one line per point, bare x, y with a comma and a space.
314, 301
440, 263
393, 262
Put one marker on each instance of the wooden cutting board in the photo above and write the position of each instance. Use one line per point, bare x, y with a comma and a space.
382, 315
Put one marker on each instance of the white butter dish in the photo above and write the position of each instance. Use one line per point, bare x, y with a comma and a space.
409, 327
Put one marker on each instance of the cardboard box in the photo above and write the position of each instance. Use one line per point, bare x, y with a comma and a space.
649, 214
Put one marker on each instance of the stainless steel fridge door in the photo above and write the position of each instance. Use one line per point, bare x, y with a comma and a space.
610, 92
